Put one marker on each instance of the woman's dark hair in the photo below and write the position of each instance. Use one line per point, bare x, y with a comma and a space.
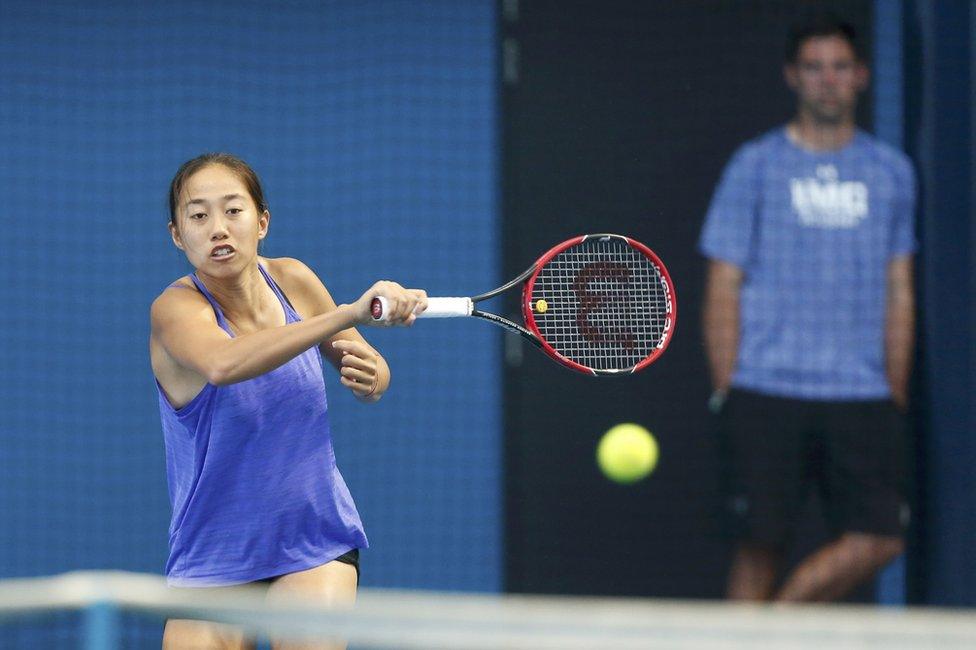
231, 162
820, 24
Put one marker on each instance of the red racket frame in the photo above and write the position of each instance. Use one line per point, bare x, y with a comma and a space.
671, 317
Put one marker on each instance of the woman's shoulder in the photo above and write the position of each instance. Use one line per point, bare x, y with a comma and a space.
176, 292
291, 273
178, 287
300, 283
284, 265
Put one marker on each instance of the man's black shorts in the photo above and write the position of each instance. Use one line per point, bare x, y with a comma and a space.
776, 449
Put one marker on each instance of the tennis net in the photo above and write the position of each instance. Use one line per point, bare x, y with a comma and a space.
103, 610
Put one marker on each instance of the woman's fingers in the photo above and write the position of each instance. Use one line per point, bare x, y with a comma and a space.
362, 376
401, 305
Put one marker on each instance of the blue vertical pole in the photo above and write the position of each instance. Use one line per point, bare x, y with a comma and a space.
101, 626
888, 67
889, 125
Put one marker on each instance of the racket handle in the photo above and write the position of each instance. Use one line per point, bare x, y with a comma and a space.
436, 308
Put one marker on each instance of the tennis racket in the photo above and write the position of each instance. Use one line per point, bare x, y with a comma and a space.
599, 304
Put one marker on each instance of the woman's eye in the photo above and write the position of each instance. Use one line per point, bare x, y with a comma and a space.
198, 215
234, 210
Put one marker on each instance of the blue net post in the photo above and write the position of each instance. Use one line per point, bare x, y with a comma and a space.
889, 90
101, 626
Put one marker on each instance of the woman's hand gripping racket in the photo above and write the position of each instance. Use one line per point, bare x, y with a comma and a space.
599, 304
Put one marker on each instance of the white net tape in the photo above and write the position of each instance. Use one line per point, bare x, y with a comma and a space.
415, 620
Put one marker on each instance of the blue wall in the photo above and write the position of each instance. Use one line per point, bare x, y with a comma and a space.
942, 141
373, 127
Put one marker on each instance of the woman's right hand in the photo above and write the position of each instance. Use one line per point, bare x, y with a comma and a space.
402, 305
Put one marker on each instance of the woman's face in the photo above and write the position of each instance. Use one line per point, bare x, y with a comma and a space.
218, 225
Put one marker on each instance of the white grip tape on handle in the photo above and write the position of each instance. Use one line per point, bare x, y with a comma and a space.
447, 308
436, 308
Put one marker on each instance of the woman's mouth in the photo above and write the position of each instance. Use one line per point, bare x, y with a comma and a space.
222, 252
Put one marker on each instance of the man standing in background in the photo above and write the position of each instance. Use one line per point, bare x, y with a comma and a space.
809, 329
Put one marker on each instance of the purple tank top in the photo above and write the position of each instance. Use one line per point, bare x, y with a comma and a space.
252, 475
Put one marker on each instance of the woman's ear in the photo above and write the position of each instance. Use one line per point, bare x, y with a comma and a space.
263, 222
174, 232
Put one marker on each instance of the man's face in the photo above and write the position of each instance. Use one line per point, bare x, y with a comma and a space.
827, 78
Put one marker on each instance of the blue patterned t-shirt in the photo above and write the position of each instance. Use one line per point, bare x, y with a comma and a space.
814, 233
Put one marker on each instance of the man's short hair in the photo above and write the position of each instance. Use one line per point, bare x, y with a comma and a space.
820, 24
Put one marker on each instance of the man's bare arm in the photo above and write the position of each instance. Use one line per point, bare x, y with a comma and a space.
721, 321
900, 327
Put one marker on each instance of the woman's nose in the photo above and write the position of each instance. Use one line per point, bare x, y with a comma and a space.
219, 228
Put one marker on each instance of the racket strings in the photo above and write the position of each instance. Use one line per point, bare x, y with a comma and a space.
607, 304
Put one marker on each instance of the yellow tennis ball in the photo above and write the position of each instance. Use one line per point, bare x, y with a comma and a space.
541, 306
627, 453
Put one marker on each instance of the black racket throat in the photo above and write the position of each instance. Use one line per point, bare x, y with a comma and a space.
505, 287
504, 322
507, 324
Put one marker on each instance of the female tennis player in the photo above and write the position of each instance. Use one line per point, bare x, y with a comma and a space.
235, 349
